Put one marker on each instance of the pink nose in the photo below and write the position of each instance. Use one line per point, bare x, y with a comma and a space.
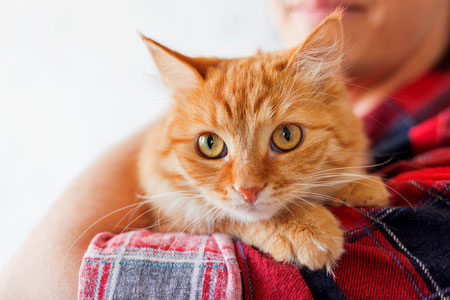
250, 194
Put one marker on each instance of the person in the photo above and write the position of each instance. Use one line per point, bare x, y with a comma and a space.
391, 45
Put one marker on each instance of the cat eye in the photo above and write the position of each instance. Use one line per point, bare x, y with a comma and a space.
286, 138
211, 146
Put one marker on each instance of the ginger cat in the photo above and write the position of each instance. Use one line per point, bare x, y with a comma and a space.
255, 146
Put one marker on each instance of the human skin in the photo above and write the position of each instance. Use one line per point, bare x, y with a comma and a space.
389, 42
44, 268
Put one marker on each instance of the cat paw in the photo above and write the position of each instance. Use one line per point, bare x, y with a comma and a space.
370, 191
314, 248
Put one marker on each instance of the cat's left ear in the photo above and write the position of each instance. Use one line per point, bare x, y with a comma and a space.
320, 55
178, 72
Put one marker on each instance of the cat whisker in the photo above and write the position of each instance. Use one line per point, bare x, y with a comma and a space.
288, 209
127, 227
131, 212
368, 177
92, 225
356, 167
183, 192
186, 194
163, 222
193, 224
292, 201
323, 184
200, 218
339, 201
384, 95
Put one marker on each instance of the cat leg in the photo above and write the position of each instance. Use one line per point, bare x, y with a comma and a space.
367, 191
308, 235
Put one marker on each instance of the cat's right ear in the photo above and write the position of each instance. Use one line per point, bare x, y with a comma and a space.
177, 71
320, 55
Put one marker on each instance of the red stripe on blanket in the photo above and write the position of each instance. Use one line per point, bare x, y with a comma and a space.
264, 278
373, 269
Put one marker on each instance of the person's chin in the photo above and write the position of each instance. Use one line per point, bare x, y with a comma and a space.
314, 15
312, 18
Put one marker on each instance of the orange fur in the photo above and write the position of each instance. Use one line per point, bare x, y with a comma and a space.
243, 101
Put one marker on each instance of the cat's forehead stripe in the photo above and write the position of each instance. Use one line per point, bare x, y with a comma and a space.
227, 107
243, 92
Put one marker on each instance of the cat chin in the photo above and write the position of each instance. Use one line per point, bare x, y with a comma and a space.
251, 214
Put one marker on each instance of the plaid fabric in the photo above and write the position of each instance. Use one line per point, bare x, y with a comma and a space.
145, 265
413, 120
397, 252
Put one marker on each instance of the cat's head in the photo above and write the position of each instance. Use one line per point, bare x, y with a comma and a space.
251, 134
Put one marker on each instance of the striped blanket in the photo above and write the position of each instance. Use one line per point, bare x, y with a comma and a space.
397, 252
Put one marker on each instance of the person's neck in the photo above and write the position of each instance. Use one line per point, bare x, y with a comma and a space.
366, 93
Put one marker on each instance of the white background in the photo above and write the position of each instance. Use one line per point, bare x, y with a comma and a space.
75, 79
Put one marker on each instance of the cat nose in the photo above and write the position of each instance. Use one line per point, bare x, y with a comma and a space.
250, 194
